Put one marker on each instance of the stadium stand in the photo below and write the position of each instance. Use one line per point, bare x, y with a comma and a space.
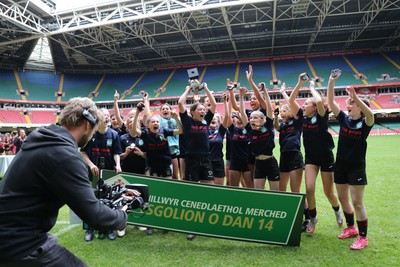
12, 116
151, 82
119, 82
388, 101
373, 66
394, 126
8, 85
215, 76
288, 71
80, 85
41, 86
324, 65
262, 73
43, 116
177, 83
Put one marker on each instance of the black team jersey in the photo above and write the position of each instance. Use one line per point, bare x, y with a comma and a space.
352, 144
316, 138
157, 147
262, 141
239, 143
133, 163
289, 134
104, 145
196, 134
216, 138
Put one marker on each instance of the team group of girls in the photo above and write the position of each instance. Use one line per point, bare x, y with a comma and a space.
250, 141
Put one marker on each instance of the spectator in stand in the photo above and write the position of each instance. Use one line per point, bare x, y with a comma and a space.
350, 170
134, 156
117, 123
19, 140
318, 145
217, 130
46, 174
262, 138
105, 144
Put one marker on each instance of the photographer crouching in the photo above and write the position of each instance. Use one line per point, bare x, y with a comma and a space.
47, 173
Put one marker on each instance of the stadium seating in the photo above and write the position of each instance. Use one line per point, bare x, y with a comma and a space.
8, 85
12, 116
43, 116
373, 66
324, 65
119, 82
80, 84
394, 126
388, 101
40, 86
288, 71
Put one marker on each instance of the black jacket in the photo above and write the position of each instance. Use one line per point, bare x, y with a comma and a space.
47, 173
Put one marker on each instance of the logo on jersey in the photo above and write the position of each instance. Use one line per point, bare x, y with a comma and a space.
109, 142
314, 119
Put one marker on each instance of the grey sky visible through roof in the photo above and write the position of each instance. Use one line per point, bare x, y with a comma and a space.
41, 57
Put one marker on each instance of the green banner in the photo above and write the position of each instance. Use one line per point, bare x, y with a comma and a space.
219, 211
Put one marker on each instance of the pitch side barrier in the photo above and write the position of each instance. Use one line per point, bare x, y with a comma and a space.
218, 211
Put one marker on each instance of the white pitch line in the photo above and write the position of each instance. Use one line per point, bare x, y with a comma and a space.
66, 229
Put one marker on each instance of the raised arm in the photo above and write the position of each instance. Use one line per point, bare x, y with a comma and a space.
318, 99
146, 102
276, 119
117, 113
227, 115
249, 75
294, 106
232, 99
135, 128
182, 100
331, 96
243, 115
284, 94
369, 116
213, 103
178, 122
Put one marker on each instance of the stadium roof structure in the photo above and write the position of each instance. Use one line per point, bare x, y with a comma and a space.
131, 36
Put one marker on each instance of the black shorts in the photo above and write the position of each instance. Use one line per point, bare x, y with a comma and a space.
218, 168
240, 165
267, 168
350, 173
174, 156
291, 160
198, 168
251, 159
325, 161
161, 171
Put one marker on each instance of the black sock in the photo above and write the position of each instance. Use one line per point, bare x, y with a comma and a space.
336, 208
362, 227
306, 214
349, 218
313, 212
